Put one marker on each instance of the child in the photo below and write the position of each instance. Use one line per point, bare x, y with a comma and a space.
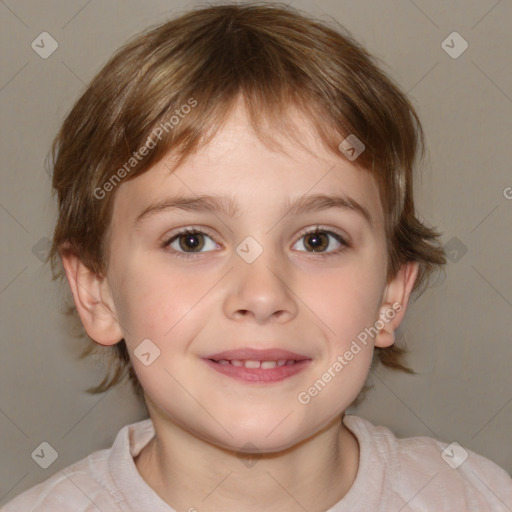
237, 226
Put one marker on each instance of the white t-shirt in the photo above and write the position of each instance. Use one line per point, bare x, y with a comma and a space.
394, 475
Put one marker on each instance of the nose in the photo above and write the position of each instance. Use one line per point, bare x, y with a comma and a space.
261, 291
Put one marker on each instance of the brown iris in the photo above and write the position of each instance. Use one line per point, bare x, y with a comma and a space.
317, 241
194, 241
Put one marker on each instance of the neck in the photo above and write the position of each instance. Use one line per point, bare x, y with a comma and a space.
187, 472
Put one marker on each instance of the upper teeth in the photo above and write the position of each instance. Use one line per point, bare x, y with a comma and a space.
257, 364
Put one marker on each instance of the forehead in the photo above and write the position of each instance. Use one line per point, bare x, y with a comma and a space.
250, 172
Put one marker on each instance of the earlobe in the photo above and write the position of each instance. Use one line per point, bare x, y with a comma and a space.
394, 304
93, 300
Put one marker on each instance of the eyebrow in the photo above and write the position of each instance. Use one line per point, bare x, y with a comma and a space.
228, 207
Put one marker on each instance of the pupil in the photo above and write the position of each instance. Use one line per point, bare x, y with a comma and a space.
192, 241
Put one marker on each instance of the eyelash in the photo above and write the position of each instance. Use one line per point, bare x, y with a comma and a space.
193, 231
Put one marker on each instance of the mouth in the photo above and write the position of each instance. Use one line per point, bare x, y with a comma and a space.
258, 366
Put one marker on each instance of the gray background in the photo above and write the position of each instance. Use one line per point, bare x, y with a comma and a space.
458, 332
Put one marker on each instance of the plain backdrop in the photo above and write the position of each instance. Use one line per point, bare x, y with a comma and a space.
458, 332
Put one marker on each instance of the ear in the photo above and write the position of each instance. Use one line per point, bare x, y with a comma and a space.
93, 300
394, 304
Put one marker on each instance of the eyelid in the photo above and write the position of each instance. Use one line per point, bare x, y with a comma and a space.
188, 229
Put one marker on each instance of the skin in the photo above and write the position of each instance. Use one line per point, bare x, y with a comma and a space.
290, 297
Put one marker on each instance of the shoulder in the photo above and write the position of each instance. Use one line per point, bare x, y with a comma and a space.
76, 487
86, 485
424, 471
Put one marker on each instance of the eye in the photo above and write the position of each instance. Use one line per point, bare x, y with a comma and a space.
320, 240
189, 241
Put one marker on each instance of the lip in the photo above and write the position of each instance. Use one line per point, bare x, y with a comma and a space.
271, 354
258, 375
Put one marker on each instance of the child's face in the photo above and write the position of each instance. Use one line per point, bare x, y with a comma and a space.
310, 303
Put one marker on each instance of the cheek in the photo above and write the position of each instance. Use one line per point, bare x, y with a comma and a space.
349, 301
150, 300
347, 305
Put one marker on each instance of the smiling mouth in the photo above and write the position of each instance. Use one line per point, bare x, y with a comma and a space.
258, 371
258, 366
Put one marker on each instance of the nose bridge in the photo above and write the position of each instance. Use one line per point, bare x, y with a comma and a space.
260, 282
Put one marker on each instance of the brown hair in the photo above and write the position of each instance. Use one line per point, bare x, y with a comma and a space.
271, 56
